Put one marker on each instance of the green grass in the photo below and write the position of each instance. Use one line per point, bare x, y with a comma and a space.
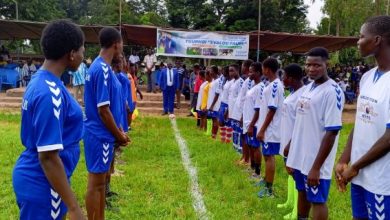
155, 184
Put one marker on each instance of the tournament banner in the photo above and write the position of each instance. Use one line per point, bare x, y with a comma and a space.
202, 45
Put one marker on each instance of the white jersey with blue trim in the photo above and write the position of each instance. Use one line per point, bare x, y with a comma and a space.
319, 110
288, 113
225, 91
233, 95
239, 104
249, 105
212, 92
372, 120
102, 88
51, 120
273, 97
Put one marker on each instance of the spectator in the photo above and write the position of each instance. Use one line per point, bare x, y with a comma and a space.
78, 81
150, 62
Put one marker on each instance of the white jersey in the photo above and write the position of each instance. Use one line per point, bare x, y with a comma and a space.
225, 91
239, 105
200, 95
319, 110
372, 119
258, 103
289, 111
233, 95
249, 105
273, 97
212, 91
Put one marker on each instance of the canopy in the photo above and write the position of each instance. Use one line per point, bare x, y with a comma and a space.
146, 35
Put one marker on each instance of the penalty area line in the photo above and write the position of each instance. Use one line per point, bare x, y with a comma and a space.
197, 197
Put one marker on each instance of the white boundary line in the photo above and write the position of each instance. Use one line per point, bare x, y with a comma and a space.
197, 197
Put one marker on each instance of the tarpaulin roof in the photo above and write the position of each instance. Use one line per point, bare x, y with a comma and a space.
146, 35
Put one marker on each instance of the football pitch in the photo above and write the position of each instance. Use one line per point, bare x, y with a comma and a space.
153, 182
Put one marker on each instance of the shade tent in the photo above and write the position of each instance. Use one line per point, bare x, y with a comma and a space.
146, 35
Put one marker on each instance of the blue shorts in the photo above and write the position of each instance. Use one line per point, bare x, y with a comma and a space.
201, 113
98, 154
38, 210
270, 149
314, 194
367, 205
221, 113
212, 114
236, 126
252, 140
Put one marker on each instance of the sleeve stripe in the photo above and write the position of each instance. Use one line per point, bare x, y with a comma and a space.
257, 109
272, 107
388, 125
103, 103
333, 128
50, 147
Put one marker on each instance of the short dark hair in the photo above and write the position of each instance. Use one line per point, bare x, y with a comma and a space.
294, 70
196, 66
235, 66
257, 66
109, 36
380, 25
271, 63
214, 69
202, 73
247, 63
59, 38
318, 52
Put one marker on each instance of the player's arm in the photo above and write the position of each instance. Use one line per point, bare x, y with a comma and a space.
214, 101
377, 151
268, 119
108, 120
326, 146
342, 164
54, 171
253, 122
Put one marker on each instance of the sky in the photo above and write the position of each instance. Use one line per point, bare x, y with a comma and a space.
314, 12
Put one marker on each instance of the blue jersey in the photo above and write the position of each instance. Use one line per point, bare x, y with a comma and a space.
51, 120
126, 97
101, 88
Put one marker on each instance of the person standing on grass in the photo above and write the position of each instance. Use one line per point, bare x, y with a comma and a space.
213, 102
103, 113
233, 96
150, 61
222, 113
200, 113
250, 117
293, 80
180, 71
51, 129
238, 109
269, 126
169, 84
314, 139
367, 149
195, 83
78, 81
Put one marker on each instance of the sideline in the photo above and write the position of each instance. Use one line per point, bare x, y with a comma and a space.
197, 197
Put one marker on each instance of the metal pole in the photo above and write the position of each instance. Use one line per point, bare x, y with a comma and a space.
120, 16
258, 33
16, 9
387, 8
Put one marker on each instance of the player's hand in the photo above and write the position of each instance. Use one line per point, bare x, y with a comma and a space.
313, 178
286, 150
250, 131
76, 214
349, 173
341, 183
260, 136
289, 170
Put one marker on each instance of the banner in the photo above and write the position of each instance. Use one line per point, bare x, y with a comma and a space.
202, 45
